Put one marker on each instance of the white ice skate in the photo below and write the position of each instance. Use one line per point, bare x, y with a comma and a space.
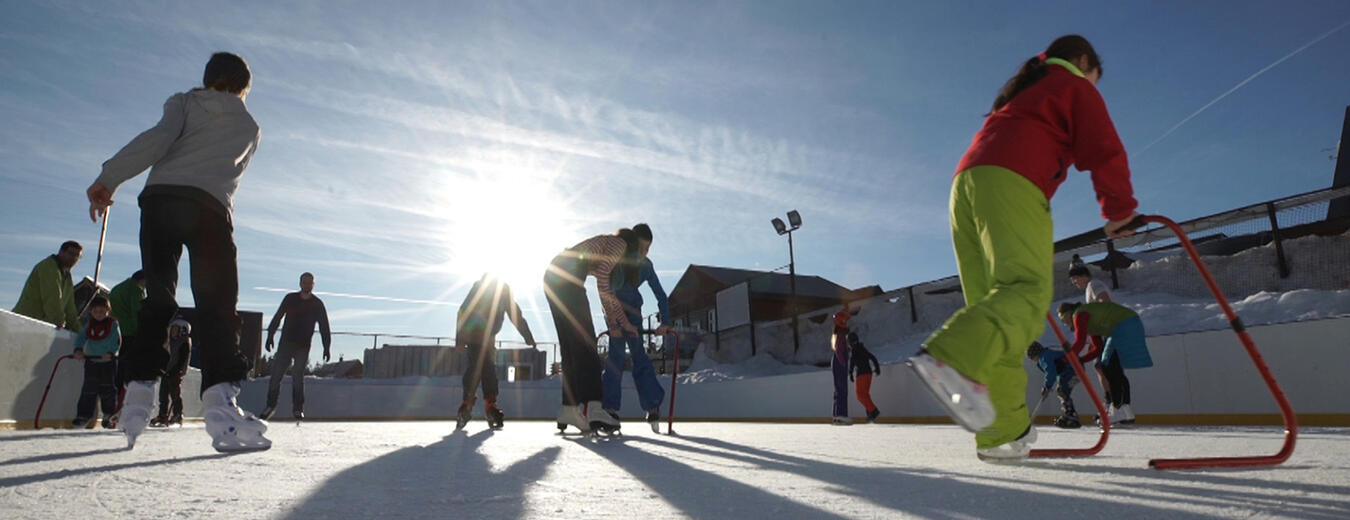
1124, 415
230, 428
842, 421
601, 420
654, 419
138, 406
966, 401
570, 415
1012, 452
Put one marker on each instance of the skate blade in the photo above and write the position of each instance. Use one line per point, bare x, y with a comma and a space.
241, 447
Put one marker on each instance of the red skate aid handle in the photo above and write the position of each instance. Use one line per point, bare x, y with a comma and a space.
1286, 411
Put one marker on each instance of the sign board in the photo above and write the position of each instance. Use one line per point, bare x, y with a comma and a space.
733, 306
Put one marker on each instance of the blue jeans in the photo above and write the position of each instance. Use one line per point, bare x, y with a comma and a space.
650, 393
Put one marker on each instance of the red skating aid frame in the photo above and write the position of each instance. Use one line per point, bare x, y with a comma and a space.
1290, 420
1092, 392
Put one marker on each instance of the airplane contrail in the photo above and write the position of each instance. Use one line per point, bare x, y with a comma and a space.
361, 296
1238, 86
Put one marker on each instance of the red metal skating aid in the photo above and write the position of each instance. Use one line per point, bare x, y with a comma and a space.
1290, 420
38, 415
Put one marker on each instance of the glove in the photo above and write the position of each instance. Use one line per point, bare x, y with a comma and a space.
850, 378
876, 372
268, 345
326, 355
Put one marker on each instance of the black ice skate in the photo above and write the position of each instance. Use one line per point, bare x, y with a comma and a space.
495, 416
464, 414
872, 416
1068, 423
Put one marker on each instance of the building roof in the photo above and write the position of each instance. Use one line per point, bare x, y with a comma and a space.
762, 282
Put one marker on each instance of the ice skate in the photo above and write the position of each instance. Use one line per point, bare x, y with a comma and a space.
842, 421
299, 414
80, 423
966, 401
495, 417
464, 414
654, 419
570, 415
175, 419
872, 416
137, 408
1068, 423
600, 420
159, 422
1012, 452
266, 414
230, 428
1126, 415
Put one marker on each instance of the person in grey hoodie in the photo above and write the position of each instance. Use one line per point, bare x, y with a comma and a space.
196, 154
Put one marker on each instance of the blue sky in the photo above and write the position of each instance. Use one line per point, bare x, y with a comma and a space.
408, 148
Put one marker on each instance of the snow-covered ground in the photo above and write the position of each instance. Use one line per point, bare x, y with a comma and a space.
711, 470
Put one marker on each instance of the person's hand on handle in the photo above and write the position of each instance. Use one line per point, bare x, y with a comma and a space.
1122, 227
99, 200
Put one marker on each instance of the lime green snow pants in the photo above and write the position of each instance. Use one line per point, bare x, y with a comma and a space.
1003, 236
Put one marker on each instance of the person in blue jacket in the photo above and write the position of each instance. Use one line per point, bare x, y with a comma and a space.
1059, 376
650, 393
97, 346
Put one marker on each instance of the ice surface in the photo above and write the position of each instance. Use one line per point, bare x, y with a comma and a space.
711, 470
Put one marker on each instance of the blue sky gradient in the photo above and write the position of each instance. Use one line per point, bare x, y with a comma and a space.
408, 148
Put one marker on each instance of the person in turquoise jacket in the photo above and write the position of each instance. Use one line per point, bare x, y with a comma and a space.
97, 346
49, 293
1046, 118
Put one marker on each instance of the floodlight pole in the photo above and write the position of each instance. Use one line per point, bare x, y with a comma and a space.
792, 281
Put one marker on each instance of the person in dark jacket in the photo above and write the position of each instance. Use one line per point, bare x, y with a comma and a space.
488, 304
1059, 376
171, 387
864, 366
302, 310
840, 368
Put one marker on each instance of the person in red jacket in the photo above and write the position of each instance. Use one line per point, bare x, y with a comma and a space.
1045, 119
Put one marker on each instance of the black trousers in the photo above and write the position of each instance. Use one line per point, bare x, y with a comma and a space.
168, 224
581, 365
1118, 391
293, 357
482, 367
100, 387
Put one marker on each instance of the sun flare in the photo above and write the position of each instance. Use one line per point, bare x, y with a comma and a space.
510, 225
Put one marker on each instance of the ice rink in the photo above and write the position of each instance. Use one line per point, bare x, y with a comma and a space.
710, 470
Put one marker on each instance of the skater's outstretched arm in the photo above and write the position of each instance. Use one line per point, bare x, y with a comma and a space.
324, 332
276, 321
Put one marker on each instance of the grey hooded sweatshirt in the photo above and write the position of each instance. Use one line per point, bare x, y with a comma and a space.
204, 141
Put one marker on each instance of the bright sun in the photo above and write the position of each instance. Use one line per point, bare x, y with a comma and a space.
510, 225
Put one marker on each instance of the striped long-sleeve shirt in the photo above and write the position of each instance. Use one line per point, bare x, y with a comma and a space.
602, 253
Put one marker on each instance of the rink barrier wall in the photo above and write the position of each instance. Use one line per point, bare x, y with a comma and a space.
1197, 378
29, 349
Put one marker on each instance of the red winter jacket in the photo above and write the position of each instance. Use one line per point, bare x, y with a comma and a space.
1058, 122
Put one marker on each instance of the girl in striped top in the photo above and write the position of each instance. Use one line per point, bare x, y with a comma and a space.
564, 284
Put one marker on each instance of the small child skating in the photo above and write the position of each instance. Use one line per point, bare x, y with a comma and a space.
97, 346
171, 387
1059, 376
864, 365
839, 364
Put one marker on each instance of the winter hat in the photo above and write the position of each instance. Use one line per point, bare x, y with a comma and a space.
1035, 350
841, 319
180, 322
853, 339
1079, 270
